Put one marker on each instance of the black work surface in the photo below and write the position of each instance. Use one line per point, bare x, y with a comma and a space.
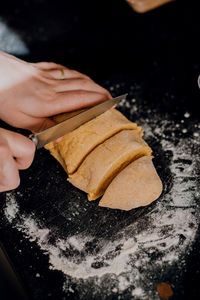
153, 57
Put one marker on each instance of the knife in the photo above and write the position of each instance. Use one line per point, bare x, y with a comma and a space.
51, 134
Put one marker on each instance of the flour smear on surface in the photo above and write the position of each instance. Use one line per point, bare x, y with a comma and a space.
136, 258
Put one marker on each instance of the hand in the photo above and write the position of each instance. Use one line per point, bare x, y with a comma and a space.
16, 153
30, 93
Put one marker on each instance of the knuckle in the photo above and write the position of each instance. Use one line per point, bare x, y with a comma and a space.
39, 73
3, 188
74, 72
48, 95
85, 82
54, 65
30, 151
51, 64
4, 151
25, 165
15, 183
31, 147
86, 77
30, 154
108, 94
78, 74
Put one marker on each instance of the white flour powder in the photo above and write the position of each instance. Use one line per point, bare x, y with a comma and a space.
11, 208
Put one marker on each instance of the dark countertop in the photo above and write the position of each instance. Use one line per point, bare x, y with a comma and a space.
48, 227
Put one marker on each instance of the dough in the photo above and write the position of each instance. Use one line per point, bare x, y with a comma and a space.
108, 155
76, 145
106, 160
53, 147
137, 185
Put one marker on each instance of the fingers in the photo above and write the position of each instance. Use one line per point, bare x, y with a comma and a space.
9, 175
22, 149
64, 73
61, 96
19, 147
47, 65
79, 84
40, 90
37, 124
73, 100
16, 153
32, 123
58, 71
71, 80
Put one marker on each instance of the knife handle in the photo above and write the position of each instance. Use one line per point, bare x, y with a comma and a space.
34, 139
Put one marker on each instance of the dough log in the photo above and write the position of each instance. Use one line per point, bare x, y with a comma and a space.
107, 156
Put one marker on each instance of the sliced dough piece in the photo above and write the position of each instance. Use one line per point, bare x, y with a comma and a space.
137, 185
106, 160
54, 150
53, 147
76, 145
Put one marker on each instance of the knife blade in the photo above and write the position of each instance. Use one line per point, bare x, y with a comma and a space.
51, 134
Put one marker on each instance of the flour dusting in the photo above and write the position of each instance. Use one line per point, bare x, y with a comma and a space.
11, 208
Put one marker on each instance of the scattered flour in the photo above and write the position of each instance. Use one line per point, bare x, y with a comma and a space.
138, 292
187, 115
129, 260
11, 208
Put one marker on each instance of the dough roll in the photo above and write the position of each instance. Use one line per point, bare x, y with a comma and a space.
107, 160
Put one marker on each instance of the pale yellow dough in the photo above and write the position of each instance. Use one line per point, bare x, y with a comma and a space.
106, 160
76, 145
137, 185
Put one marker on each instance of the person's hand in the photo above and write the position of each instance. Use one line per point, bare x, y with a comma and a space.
16, 153
30, 93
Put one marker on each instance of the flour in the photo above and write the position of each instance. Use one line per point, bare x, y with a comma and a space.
137, 292
186, 114
138, 254
11, 208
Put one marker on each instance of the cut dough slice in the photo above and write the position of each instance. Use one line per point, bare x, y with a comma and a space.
54, 150
108, 159
137, 185
76, 145
53, 147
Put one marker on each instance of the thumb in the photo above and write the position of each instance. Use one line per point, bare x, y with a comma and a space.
21, 148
